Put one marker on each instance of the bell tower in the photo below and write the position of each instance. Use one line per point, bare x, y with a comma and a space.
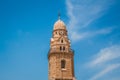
60, 55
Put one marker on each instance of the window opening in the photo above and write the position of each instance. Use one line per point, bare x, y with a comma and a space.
63, 48
62, 41
60, 48
63, 63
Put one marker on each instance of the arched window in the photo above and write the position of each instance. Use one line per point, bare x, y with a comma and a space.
60, 48
56, 32
62, 41
63, 62
63, 48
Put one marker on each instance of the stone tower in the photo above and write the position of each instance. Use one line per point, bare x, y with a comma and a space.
60, 56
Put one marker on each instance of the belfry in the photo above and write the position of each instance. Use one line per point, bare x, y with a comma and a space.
60, 55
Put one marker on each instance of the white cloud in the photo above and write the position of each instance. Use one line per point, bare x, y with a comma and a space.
106, 60
79, 36
105, 55
105, 71
82, 13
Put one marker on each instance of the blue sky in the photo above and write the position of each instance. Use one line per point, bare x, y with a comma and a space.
26, 28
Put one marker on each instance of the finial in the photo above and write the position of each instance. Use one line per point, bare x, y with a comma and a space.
58, 15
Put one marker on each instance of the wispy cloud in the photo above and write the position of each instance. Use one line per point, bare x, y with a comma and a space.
82, 13
105, 55
79, 36
109, 55
105, 71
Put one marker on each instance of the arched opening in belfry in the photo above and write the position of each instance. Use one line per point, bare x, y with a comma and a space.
56, 32
63, 62
62, 41
60, 48
63, 48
